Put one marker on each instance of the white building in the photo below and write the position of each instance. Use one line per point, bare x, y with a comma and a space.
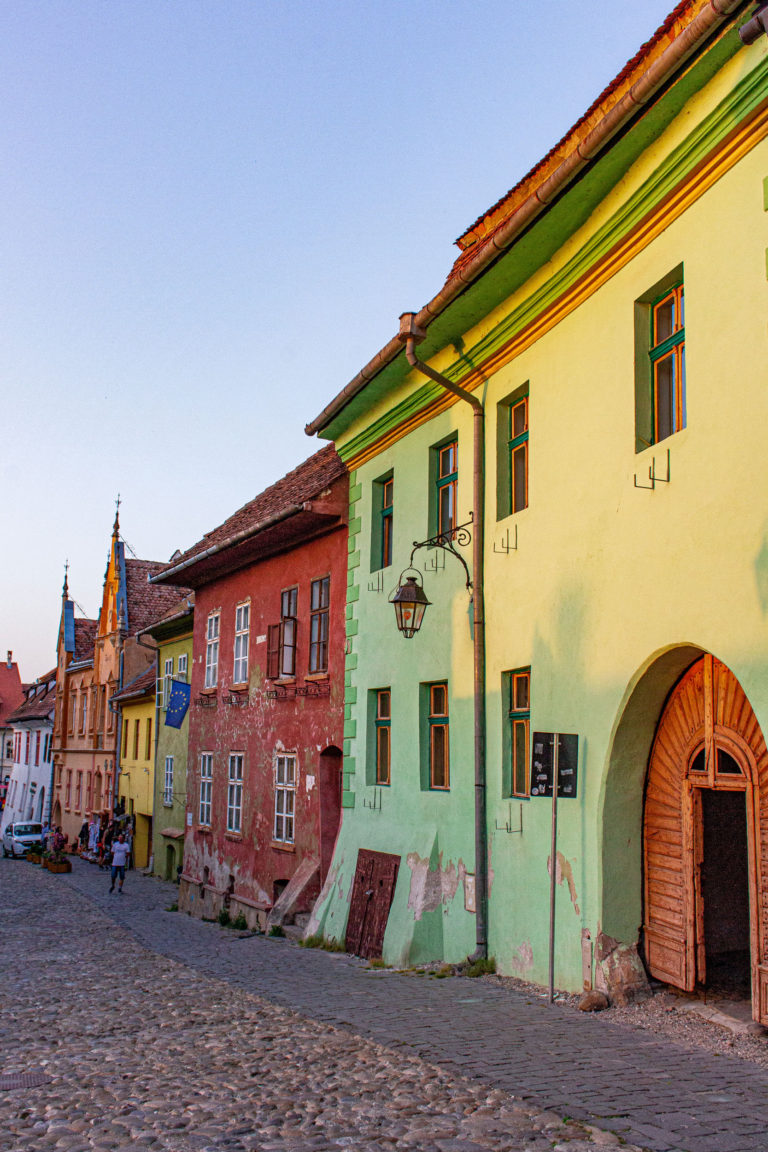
29, 789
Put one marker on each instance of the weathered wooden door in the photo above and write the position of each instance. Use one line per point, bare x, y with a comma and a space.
708, 738
372, 893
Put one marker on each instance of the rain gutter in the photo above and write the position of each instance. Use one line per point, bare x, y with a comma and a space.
708, 20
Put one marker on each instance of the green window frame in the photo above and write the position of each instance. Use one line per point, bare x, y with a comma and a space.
660, 372
382, 725
438, 737
382, 521
516, 697
512, 452
446, 483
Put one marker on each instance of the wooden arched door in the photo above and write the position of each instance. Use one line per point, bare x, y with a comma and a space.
709, 757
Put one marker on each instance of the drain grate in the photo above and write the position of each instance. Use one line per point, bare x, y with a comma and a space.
23, 1079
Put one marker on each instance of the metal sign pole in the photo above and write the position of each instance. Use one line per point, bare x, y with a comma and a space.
553, 864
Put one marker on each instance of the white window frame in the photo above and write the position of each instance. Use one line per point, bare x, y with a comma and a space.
242, 632
235, 793
212, 650
167, 678
181, 671
286, 782
206, 789
168, 783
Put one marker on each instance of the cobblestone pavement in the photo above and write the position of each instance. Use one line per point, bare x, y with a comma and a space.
175, 1047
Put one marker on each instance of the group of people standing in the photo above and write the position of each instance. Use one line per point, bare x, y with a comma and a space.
105, 842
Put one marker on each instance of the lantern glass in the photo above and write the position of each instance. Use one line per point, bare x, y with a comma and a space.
410, 603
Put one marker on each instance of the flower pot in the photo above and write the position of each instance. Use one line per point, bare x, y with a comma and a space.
59, 865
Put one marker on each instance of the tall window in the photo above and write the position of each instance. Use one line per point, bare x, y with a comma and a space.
206, 788
518, 454
26, 748
47, 748
447, 480
318, 624
382, 725
83, 711
382, 502
281, 638
148, 744
242, 625
78, 791
125, 739
168, 783
181, 673
167, 678
285, 795
439, 776
235, 793
38, 736
212, 651
518, 691
136, 726
667, 355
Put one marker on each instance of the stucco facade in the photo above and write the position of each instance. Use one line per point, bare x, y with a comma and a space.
638, 547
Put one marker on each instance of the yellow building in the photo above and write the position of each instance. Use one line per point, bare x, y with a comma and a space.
136, 772
608, 318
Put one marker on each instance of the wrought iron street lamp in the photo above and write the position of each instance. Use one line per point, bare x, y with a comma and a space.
410, 601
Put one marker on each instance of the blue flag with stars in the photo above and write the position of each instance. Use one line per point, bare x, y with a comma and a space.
178, 703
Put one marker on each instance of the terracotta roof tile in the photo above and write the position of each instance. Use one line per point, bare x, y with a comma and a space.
148, 602
39, 706
11, 695
85, 636
304, 482
138, 686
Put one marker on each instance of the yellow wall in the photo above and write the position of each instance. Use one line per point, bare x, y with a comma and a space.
136, 782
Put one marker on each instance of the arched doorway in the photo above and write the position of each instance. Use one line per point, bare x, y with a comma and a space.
706, 803
329, 771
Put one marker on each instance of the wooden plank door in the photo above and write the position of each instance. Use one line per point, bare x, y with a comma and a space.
372, 894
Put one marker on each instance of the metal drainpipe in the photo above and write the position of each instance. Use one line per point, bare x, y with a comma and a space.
411, 335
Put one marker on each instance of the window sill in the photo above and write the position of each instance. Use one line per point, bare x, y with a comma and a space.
237, 837
209, 691
282, 679
281, 846
239, 686
316, 676
204, 829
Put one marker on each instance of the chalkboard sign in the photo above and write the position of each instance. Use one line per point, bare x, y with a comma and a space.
543, 764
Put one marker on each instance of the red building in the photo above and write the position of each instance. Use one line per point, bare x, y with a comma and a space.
267, 698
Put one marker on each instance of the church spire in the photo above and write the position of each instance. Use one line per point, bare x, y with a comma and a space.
65, 589
116, 525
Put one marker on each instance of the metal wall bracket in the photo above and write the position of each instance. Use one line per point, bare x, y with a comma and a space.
375, 803
507, 825
376, 583
505, 546
655, 477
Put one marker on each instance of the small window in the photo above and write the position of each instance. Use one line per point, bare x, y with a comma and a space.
212, 651
136, 727
285, 797
167, 678
242, 626
168, 783
447, 481
382, 726
148, 746
235, 793
181, 673
517, 695
660, 386
438, 737
382, 523
318, 624
206, 788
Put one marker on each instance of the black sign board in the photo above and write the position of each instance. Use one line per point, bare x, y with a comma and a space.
543, 764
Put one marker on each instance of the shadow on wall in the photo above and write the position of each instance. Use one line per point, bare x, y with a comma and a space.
620, 818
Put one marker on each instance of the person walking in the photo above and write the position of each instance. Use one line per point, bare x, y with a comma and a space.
120, 851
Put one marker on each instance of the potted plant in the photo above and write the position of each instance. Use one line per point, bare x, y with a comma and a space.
57, 861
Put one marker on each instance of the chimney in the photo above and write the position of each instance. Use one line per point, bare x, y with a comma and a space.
10, 658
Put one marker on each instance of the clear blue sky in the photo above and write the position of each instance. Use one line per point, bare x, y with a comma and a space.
213, 212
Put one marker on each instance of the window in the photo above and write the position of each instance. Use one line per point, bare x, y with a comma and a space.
285, 795
212, 651
381, 522
26, 748
181, 673
235, 793
512, 453
206, 788
78, 791
167, 678
437, 723
447, 480
71, 712
148, 745
136, 726
125, 739
318, 624
83, 712
281, 638
516, 693
37, 746
667, 354
168, 783
242, 625
68, 790
47, 748
660, 390
382, 725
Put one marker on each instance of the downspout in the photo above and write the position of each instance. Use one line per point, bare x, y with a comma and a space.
411, 335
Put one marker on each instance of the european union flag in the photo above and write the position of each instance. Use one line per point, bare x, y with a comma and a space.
178, 703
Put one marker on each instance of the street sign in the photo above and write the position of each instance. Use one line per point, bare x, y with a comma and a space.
543, 764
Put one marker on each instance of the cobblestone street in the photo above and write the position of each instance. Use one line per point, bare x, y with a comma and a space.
153, 1030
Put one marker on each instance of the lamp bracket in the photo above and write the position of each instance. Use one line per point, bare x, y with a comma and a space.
447, 541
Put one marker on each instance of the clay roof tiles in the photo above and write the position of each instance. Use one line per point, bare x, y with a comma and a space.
39, 705
141, 684
10, 690
147, 603
299, 485
85, 636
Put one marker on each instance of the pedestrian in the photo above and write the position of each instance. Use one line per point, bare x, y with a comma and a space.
93, 836
120, 852
83, 836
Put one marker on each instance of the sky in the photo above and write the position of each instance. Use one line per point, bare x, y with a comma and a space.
212, 213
